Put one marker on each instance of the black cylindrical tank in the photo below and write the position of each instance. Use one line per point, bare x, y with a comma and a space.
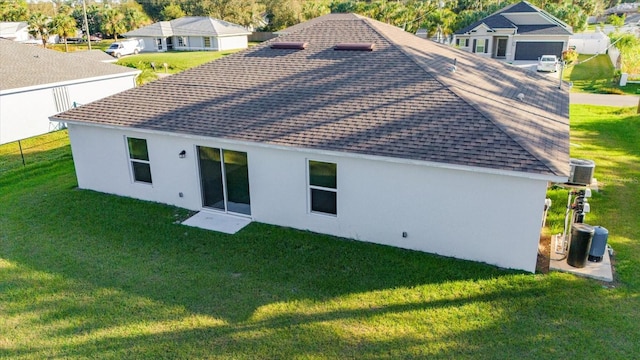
581, 236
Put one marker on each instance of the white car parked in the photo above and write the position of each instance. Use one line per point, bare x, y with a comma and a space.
548, 63
125, 47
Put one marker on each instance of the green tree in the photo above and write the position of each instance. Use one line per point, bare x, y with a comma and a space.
64, 26
629, 46
39, 27
134, 15
242, 12
172, 11
93, 18
440, 22
282, 13
153, 8
571, 14
343, 6
46, 8
312, 9
113, 23
616, 20
14, 10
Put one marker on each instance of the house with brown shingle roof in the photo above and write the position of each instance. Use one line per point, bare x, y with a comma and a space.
516, 32
36, 83
347, 126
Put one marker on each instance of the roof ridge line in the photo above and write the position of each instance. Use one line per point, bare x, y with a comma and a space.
455, 92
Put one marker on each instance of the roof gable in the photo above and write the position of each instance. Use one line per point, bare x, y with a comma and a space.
521, 7
399, 101
521, 17
158, 29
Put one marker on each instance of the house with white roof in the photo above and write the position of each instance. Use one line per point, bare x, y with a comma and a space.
15, 30
346, 126
192, 33
37, 83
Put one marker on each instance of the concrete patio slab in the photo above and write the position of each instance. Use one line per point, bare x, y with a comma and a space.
221, 222
596, 270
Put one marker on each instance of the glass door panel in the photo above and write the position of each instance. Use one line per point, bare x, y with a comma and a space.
224, 175
211, 177
237, 176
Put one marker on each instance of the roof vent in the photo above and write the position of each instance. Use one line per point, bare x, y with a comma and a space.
290, 45
355, 46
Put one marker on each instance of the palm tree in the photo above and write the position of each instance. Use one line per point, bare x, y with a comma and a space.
135, 18
64, 26
113, 23
39, 26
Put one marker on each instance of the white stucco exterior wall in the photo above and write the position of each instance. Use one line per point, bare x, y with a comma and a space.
25, 112
487, 217
232, 42
151, 45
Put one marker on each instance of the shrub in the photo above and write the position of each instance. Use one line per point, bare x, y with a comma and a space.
569, 56
607, 90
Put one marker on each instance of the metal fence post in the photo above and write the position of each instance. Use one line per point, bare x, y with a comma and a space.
21, 153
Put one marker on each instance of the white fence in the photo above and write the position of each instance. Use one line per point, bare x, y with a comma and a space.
590, 43
614, 55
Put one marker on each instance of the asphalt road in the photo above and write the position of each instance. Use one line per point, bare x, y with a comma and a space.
604, 99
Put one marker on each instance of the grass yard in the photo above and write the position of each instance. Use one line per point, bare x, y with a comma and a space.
596, 76
610, 137
90, 275
98, 45
176, 61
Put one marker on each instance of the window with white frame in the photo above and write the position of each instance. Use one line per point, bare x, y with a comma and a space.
323, 190
159, 43
207, 41
481, 46
139, 159
462, 42
182, 41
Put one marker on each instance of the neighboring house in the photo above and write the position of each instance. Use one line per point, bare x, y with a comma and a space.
36, 83
517, 32
191, 33
15, 31
395, 146
19, 32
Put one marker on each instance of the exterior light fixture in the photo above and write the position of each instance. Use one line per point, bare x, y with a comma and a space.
183, 154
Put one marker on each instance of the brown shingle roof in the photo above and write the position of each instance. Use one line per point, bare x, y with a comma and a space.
400, 100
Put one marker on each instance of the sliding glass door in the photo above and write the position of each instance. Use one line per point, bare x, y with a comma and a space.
224, 177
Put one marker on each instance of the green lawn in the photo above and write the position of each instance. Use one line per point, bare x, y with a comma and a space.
595, 74
91, 275
100, 45
176, 61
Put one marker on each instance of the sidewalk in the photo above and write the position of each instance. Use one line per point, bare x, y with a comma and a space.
604, 99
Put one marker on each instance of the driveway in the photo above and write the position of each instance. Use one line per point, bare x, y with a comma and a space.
604, 99
531, 65
581, 98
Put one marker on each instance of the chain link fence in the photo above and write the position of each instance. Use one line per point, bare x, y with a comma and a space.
22, 153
